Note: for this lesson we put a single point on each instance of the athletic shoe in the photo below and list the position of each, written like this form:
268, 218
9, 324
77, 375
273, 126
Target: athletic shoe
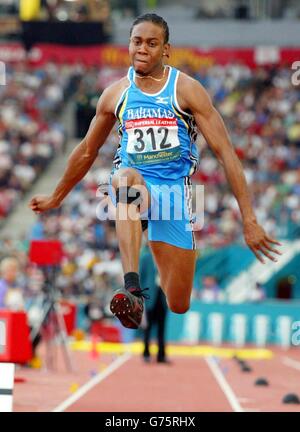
128, 306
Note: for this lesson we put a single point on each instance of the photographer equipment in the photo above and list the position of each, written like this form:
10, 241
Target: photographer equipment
47, 254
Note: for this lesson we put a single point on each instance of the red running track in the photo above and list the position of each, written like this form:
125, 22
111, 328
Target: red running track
185, 385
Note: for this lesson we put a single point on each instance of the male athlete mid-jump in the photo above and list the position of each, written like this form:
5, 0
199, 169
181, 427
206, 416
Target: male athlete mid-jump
159, 110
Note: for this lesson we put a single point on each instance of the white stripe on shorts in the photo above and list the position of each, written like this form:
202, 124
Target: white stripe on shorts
188, 197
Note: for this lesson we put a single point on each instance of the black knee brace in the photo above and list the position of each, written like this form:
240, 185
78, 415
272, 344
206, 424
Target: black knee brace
128, 195
144, 223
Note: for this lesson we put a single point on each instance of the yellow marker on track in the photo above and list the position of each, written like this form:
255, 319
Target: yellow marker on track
74, 387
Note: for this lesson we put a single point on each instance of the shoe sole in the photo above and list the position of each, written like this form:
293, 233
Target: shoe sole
120, 307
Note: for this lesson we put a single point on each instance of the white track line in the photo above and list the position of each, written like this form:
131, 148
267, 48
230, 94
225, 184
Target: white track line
216, 371
291, 363
93, 382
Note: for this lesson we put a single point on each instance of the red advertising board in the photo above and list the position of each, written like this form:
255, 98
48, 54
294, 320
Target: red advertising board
117, 56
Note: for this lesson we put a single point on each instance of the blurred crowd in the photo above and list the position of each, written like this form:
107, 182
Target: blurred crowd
82, 10
77, 11
30, 129
60, 10
261, 109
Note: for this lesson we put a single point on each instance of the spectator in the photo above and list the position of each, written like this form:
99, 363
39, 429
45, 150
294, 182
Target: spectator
211, 292
11, 294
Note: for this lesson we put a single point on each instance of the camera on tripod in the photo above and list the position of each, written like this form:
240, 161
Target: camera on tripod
48, 255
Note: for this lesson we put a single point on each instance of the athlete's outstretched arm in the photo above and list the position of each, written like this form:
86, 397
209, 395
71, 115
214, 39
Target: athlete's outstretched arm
211, 125
82, 157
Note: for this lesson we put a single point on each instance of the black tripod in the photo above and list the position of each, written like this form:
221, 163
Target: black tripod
51, 315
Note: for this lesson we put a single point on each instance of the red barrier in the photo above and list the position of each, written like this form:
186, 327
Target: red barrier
15, 345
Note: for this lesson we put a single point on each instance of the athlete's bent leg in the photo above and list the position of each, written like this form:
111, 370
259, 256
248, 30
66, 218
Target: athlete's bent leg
132, 198
128, 224
176, 268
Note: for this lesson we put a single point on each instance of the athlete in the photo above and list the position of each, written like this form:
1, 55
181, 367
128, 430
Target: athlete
158, 110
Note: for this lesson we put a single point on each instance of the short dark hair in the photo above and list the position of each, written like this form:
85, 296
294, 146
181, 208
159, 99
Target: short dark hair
155, 19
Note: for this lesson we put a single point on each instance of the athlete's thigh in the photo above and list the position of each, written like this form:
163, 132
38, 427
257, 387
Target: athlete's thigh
176, 267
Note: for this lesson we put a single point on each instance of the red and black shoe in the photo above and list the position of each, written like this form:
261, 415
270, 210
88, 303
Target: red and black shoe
128, 306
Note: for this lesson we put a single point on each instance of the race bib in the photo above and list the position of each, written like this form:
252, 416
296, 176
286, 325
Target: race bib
152, 140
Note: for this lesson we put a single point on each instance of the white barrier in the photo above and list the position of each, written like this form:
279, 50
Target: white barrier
192, 327
283, 331
216, 324
239, 329
261, 329
7, 373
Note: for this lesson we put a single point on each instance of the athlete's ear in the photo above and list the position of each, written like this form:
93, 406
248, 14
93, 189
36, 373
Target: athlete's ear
166, 51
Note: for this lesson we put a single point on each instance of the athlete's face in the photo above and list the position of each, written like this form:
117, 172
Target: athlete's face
147, 47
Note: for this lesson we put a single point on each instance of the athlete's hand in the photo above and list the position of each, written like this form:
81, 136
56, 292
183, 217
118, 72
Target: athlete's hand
259, 242
41, 203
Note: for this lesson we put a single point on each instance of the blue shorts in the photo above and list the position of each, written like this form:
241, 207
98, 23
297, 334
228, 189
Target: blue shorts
170, 212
